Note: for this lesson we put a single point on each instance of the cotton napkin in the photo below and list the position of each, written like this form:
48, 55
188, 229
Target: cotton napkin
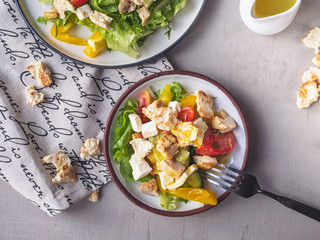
75, 108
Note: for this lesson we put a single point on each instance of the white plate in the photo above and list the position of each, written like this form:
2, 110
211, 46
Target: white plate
191, 82
155, 44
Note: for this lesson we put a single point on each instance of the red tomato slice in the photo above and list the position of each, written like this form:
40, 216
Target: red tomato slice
214, 145
136, 135
186, 114
144, 100
77, 3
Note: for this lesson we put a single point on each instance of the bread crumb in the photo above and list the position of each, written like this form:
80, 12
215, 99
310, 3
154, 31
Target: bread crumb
307, 94
65, 171
33, 96
312, 40
41, 73
94, 196
90, 148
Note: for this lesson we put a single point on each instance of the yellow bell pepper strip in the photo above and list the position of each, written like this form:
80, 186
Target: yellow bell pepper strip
96, 44
70, 24
63, 36
195, 194
188, 101
155, 157
166, 95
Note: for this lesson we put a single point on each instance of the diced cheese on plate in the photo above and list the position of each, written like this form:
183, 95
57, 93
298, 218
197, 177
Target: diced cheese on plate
149, 129
135, 122
140, 168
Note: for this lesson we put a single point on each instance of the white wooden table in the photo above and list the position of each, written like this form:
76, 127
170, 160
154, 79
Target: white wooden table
263, 73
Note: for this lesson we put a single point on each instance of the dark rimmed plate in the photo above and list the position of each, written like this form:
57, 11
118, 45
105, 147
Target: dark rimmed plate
191, 82
155, 44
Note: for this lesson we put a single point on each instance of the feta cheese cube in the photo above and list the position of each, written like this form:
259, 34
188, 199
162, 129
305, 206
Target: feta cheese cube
176, 107
84, 11
165, 180
149, 129
135, 122
141, 147
140, 168
201, 124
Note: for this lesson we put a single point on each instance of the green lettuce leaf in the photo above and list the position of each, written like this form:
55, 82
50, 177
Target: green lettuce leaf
177, 91
57, 21
122, 148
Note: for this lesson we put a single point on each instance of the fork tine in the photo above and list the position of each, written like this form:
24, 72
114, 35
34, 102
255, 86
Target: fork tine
230, 168
215, 181
224, 173
220, 177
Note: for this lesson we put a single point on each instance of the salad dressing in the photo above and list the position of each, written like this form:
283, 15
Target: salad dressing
267, 8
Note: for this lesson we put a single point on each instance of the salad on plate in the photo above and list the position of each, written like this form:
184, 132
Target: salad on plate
120, 25
165, 140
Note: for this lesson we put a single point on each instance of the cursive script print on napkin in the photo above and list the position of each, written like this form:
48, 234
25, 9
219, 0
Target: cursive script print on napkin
76, 107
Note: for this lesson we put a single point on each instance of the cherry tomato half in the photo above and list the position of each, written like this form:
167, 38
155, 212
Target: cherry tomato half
77, 3
144, 100
214, 144
186, 114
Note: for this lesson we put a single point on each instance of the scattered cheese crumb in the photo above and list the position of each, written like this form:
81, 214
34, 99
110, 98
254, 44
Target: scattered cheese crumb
65, 171
90, 148
33, 96
94, 196
41, 73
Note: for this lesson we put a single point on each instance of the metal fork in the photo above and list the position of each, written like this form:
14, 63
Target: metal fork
246, 185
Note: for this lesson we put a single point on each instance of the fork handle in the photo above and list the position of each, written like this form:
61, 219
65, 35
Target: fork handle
295, 205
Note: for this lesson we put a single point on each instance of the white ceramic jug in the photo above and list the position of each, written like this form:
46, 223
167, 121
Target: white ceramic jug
267, 25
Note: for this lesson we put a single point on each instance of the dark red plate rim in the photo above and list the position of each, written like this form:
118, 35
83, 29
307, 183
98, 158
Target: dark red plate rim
108, 129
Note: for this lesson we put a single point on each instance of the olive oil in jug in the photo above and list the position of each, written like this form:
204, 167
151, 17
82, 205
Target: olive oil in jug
266, 8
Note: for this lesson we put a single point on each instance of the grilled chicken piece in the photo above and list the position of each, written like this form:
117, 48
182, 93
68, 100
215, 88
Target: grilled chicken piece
205, 162
204, 104
52, 14
172, 167
168, 146
144, 15
163, 117
126, 6
150, 187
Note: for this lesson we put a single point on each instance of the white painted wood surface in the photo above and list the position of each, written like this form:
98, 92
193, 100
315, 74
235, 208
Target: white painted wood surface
263, 73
